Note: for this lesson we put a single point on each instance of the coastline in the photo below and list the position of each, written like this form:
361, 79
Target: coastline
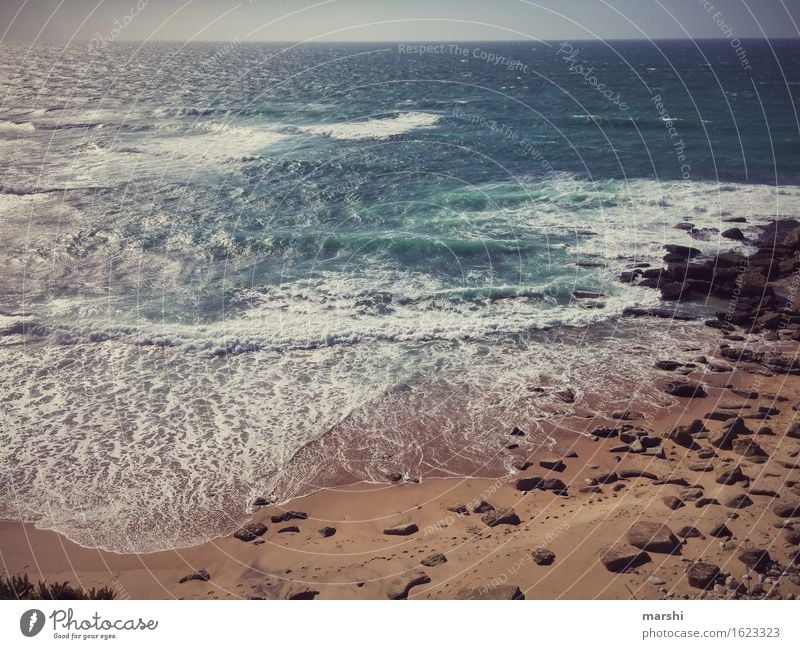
697, 500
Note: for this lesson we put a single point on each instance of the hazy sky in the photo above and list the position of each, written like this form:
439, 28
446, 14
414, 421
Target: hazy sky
398, 20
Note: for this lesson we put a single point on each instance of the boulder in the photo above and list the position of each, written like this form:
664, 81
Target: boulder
652, 537
553, 464
628, 474
288, 516
553, 484
731, 476
737, 501
327, 532
197, 575
250, 532
689, 532
734, 233
301, 592
434, 560
567, 395
682, 252
626, 415
491, 592
669, 366
528, 484
605, 477
787, 510
702, 575
756, 559
459, 509
621, 557
673, 502
481, 507
685, 389
749, 449
721, 531
400, 590
543, 556
405, 529
503, 516
289, 529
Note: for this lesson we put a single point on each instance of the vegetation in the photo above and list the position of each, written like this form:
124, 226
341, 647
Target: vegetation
16, 587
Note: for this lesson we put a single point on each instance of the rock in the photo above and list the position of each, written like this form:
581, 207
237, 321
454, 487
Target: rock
722, 439
733, 233
491, 593
719, 415
749, 449
197, 575
701, 467
543, 556
605, 477
628, 474
459, 509
301, 592
586, 295
656, 581
684, 226
791, 536
289, 529
481, 507
702, 575
738, 501
517, 432
652, 537
731, 476
521, 465
590, 490
395, 477
721, 531
680, 436
673, 502
250, 532
327, 532
794, 431
564, 451
689, 532
402, 530
626, 415
770, 493
553, 464
620, 557
682, 252
605, 432
669, 366
402, 593
502, 516
567, 395
434, 560
553, 484
692, 494
790, 510
738, 427
757, 560
703, 502
685, 389
528, 484
288, 516
261, 502
745, 394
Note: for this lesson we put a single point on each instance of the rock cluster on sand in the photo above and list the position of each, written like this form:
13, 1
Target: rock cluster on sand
250, 532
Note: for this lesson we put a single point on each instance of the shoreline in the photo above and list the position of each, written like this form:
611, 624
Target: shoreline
698, 499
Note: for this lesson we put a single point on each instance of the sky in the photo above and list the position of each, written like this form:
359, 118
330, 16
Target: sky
398, 20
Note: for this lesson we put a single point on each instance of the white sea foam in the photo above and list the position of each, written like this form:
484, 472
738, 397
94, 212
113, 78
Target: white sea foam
16, 127
374, 129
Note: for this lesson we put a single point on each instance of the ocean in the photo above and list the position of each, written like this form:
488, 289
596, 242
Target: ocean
239, 270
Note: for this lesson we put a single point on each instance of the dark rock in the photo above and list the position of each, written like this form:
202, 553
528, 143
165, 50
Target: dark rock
543, 556
620, 557
503, 516
721, 531
669, 366
673, 502
685, 389
626, 415
757, 560
402, 592
749, 449
689, 532
722, 439
491, 593
720, 415
635, 473
705, 502
261, 502
521, 465
289, 528
528, 484
567, 395
459, 509
745, 394
250, 532
402, 530
737, 427
702, 575
301, 593
517, 432
738, 501
790, 510
606, 477
731, 476
327, 532
606, 432
434, 560
197, 575
684, 252
288, 516
734, 233
553, 464
652, 537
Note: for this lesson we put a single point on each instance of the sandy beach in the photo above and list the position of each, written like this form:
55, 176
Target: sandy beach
551, 540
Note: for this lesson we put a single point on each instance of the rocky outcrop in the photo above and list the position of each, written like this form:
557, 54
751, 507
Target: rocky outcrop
685, 389
787, 510
401, 589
